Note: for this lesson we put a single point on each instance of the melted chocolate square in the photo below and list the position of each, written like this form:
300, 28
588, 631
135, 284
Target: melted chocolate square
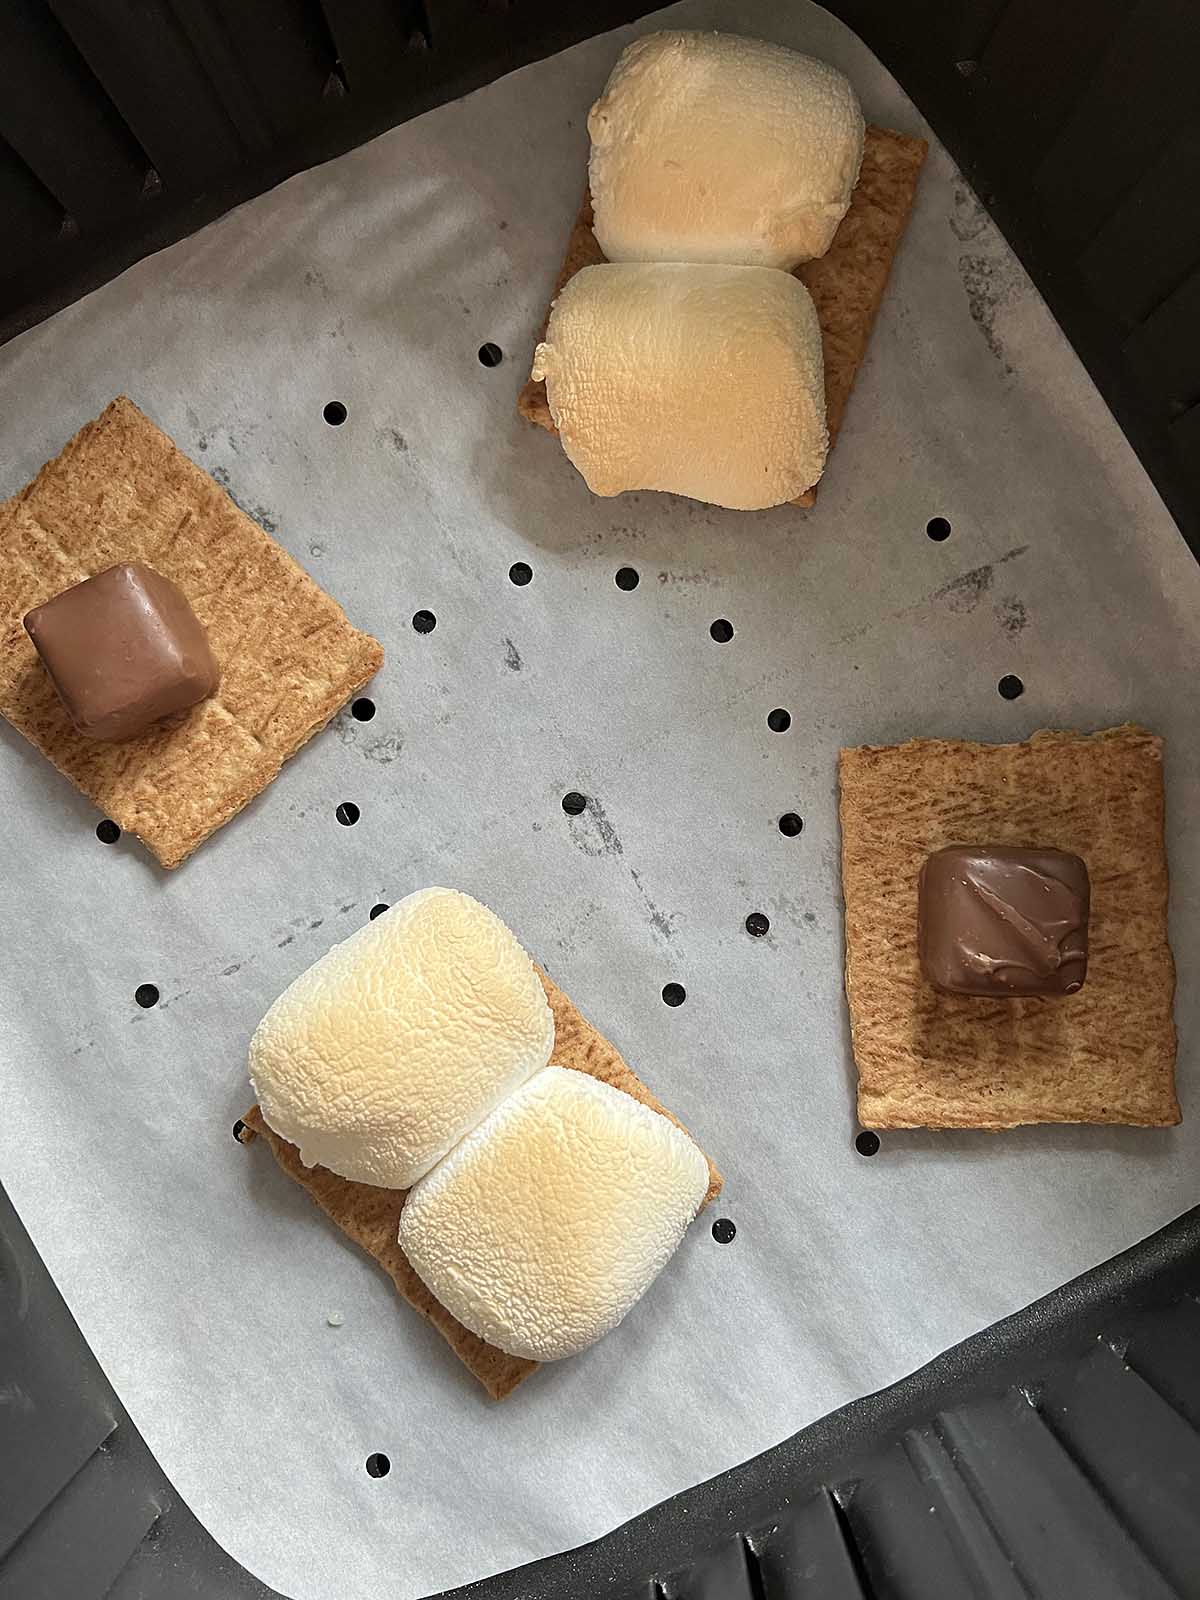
1003, 921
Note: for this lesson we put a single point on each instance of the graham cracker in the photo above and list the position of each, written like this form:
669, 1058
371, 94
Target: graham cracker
371, 1216
122, 491
846, 283
926, 1059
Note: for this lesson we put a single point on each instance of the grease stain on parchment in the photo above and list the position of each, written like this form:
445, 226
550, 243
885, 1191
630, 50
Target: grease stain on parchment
990, 276
968, 220
264, 517
989, 288
383, 748
593, 833
1011, 614
687, 578
963, 594
662, 922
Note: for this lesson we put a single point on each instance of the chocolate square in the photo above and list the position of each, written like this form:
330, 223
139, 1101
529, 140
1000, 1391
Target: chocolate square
124, 649
1003, 921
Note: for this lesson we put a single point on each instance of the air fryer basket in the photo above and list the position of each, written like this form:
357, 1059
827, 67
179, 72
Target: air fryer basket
1053, 1453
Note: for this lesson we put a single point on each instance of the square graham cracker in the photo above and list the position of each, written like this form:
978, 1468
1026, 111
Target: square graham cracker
846, 283
122, 491
371, 1216
932, 1060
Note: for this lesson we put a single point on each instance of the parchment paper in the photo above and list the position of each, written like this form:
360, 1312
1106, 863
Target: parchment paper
202, 1278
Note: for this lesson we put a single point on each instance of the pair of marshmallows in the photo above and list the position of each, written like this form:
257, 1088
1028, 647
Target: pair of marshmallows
691, 363
543, 1203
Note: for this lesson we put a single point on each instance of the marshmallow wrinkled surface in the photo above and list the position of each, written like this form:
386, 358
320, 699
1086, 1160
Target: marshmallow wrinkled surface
543, 1228
379, 1058
712, 147
703, 380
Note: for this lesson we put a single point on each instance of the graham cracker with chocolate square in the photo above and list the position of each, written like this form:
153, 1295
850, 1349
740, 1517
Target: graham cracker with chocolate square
928, 1059
846, 283
371, 1216
122, 491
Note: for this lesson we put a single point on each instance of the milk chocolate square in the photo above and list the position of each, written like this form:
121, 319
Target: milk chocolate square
124, 649
1003, 920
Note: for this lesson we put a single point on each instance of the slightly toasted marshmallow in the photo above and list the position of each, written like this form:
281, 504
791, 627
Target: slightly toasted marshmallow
712, 147
706, 381
379, 1058
550, 1221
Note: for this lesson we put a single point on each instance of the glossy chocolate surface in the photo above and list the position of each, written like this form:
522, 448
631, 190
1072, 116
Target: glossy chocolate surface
1004, 921
124, 649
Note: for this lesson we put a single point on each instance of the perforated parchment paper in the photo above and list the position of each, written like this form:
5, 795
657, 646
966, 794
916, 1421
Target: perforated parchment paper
202, 1277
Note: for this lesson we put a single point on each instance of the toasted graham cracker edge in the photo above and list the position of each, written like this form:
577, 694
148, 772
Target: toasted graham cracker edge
371, 1216
149, 471
1148, 1085
847, 283
352, 682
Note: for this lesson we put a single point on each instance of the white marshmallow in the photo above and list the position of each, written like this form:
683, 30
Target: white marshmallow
551, 1220
712, 147
380, 1057
703, 380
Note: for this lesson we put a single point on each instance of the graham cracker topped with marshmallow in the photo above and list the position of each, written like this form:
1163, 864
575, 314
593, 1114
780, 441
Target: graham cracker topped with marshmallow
370, 1215
847, 283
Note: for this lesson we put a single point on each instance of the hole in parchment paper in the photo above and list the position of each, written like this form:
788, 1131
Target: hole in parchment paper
790, 824
146, 995
335, 413
347, 813
723, 1230
107, 831
363, 709
424, 621
627, 578
867, 1143
1010, 686
779, 720
239, 1129
378, 1465
574, 802
490, 354
938, 529
520, 573
377, 911
721, 630
757, 924
674, 994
